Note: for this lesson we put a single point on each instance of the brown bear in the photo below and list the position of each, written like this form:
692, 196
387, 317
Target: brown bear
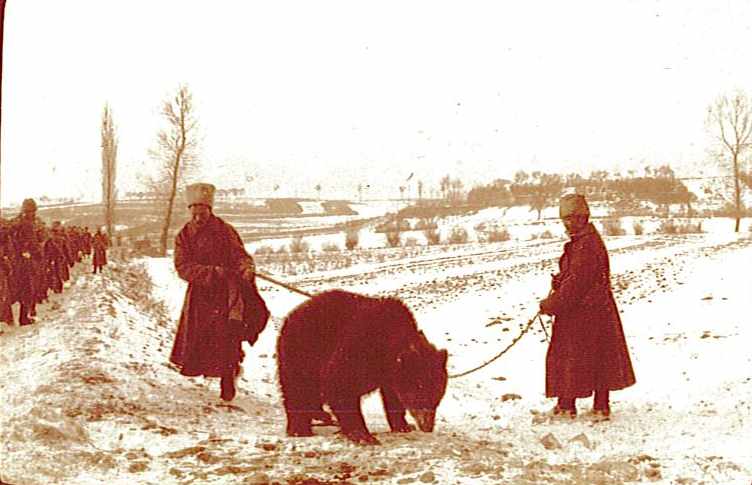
339, 346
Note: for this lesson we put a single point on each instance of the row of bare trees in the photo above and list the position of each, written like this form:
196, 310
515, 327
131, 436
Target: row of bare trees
176, 153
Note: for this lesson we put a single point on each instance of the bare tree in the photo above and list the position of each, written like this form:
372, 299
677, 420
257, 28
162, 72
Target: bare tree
318, 190
445, 183
456, 195
176, 151
546, 189
730, 121
109, 168
420, 190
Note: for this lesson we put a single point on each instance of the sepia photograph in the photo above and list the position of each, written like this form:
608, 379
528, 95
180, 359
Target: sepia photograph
343, 242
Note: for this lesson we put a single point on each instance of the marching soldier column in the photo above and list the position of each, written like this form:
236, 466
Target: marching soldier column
35, 260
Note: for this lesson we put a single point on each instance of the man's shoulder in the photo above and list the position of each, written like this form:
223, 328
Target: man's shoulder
586, 237
223, 224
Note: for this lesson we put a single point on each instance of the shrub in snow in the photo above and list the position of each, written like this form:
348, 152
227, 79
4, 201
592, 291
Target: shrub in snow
546, 235
498, 234
432, 236
411, 242
393, 239
298, 245
638, 229
670, 226
613, 227
690, 228
352, 237
458, 235
330, 247
264, 250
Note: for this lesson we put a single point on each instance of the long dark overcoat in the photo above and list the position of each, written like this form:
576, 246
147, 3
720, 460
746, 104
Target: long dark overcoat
27, 259
54, 261
221, 309
100, 250
587, 350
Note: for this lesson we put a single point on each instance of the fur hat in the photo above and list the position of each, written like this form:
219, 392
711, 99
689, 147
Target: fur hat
200, 194
573, 204
28, 205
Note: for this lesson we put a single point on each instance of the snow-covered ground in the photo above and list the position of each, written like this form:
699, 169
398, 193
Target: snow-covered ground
90, 398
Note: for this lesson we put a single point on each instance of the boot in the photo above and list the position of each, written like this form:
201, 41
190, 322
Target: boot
565, 409
601, 406
227, 386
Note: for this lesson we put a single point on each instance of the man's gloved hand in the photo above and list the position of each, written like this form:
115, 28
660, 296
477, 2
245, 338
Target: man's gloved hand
249, 274
545, 307
555, 281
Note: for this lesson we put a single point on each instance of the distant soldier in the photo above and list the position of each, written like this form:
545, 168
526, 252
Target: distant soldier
99, 245
28, 256
55, 259
6, 275
75, 244
41, 278
87, 239
222, 306
62, 262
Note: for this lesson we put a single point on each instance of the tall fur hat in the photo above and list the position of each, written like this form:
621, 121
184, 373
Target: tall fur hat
200, 194
573, 204
28, 205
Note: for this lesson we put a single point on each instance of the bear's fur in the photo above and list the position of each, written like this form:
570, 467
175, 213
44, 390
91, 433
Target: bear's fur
338, 346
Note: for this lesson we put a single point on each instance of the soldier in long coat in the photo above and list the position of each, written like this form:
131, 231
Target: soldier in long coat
62, 262
588, 352
28, 258
99, 245
87, 240
6, 275
56, 265
41, 266
222, 306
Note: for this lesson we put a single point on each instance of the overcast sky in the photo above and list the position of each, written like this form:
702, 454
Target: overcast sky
342, 93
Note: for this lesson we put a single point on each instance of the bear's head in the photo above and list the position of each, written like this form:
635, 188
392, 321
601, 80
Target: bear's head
421, 380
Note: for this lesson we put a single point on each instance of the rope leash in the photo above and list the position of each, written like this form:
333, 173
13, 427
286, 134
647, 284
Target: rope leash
283, 285
497, 356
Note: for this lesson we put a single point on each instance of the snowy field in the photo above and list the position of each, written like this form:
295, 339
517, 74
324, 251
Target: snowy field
89, 398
